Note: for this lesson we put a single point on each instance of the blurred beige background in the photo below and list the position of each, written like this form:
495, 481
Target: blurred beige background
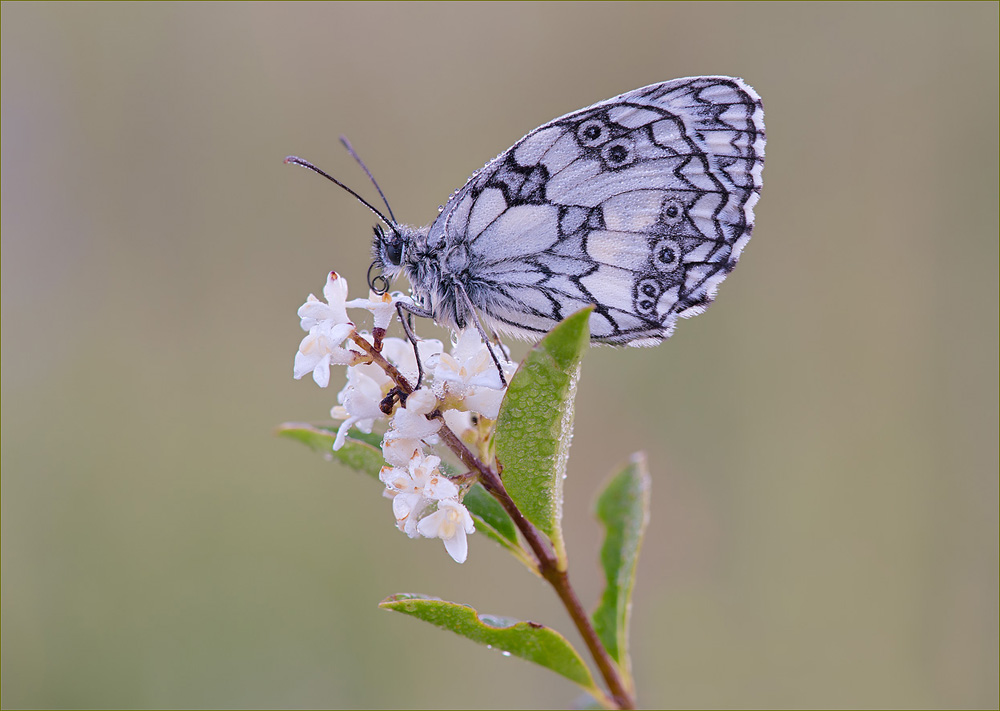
823, 440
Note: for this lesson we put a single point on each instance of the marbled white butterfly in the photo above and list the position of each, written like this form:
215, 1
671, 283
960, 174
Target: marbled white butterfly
639, 205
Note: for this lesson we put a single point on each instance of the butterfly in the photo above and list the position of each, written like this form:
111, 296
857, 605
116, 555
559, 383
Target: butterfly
639, 205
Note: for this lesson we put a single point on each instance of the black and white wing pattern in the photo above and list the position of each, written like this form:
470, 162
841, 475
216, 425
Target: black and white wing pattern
639, 205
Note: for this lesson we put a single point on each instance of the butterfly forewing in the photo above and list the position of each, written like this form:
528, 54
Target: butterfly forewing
639, 205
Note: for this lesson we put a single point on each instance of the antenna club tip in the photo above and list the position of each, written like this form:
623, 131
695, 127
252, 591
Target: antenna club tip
291, 159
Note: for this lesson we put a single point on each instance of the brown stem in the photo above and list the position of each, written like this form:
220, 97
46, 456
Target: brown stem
377, 357
559, 579
548, 563
548, 567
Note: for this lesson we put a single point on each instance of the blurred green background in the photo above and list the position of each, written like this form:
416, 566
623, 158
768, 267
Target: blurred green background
823, 441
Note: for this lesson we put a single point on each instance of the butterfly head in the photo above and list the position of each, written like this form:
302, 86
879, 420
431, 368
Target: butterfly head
388, 251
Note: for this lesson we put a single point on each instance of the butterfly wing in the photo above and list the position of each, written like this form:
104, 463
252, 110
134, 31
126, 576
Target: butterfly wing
639, 205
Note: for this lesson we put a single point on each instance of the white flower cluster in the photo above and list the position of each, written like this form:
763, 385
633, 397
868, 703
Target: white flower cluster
456, 385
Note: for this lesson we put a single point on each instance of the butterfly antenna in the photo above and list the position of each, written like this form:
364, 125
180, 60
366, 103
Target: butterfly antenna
355, 156
295, 160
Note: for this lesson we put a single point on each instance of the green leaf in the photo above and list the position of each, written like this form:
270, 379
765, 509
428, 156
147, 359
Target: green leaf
527, 640
360, 452
623, 508
536, 422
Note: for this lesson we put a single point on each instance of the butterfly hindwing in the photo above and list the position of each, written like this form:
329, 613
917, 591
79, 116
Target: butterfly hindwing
640, 205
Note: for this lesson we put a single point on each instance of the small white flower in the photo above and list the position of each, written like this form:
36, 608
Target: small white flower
397, 451
315, 312
451, 523
459, 421
406, 489
320, 349
382, 307
485, 401
367, 385
414, 488
360, 400
410, 422
328, 326
469, 364
468, 379
399, 352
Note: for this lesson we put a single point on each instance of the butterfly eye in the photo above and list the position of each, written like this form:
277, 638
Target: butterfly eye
393, 251
390, 246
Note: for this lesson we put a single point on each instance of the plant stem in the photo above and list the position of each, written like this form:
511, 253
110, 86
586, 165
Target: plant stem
547, 563
548, 567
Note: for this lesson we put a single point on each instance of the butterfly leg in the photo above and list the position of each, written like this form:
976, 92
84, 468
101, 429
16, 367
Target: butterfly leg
482, 332
411, 311
503, 349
